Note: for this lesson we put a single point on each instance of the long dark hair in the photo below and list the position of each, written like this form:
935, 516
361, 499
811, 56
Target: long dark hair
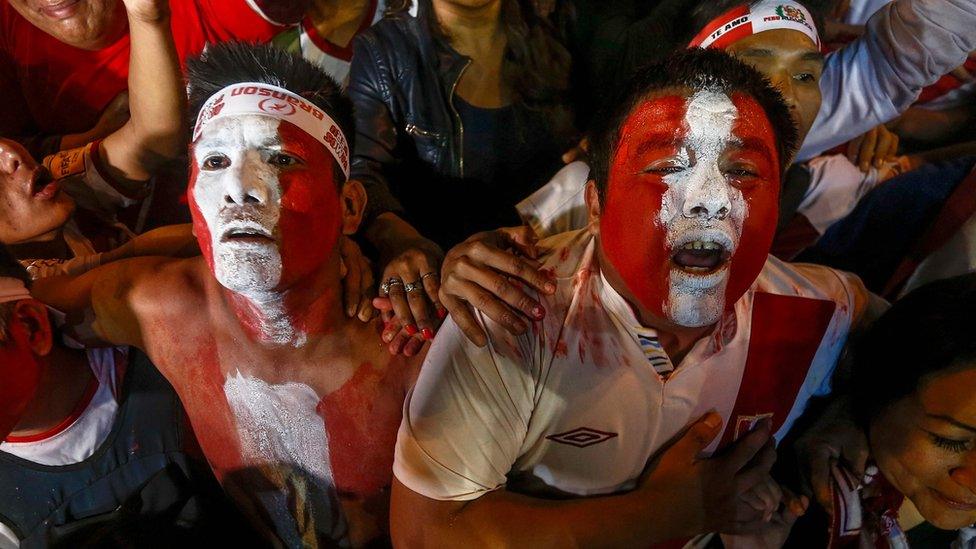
535, 63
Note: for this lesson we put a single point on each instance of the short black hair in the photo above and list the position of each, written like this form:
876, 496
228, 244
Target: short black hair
931, 329
692, 69
703, 13
226, 63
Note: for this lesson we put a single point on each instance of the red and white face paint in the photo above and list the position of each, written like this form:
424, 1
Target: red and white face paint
19, 368
691, 203
266, 211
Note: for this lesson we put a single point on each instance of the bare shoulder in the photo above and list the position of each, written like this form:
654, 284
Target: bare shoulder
165, 285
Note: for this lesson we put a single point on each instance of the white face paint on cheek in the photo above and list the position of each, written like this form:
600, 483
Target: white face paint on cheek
244, 197
700, 204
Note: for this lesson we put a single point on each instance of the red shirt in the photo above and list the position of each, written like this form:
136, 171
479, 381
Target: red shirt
49, 87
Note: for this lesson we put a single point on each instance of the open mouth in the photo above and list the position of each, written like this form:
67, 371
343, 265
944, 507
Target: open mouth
42, 185
247, 235
701, 257
61, 10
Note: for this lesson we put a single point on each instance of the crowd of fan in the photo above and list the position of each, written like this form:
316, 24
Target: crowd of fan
669, 273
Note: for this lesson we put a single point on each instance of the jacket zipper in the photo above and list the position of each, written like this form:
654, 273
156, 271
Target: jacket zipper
414, 130
457, 118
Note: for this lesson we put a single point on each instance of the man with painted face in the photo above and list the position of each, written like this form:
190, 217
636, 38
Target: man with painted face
295, 405
94, 446
669, 322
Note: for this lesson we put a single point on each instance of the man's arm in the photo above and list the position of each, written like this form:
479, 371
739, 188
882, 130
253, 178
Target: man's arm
104, 303
465, 425
154, 134
908, 45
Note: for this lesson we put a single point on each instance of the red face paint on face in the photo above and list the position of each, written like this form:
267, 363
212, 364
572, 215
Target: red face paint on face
21, 374
266, 216
691, 203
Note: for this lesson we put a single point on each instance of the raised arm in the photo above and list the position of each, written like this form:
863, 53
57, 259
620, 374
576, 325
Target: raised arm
908, 45
103, 304
154, 134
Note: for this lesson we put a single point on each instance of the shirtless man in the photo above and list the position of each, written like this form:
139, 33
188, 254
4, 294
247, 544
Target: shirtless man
296, 405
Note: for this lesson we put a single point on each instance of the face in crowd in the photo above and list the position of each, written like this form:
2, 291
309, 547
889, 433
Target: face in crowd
85, 24
264, 200
793, 64
25, 337
925, 444
691, 202
32, 205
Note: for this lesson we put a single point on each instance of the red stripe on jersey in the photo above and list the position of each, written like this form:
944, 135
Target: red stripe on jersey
786, 333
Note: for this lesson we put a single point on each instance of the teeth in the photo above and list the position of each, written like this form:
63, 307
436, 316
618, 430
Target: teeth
700, 245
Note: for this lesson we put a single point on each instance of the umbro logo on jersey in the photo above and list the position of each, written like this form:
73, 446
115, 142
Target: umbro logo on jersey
581, 437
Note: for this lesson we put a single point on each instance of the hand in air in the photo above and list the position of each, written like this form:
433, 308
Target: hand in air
408, 298
873, 149
715, 494
488, 272
148, 11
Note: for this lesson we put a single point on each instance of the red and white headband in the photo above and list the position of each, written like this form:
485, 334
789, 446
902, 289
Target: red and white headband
12, 289
746, 20
279, 103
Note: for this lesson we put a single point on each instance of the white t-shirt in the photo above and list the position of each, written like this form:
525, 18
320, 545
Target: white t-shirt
81, 434
908, 44
575, 407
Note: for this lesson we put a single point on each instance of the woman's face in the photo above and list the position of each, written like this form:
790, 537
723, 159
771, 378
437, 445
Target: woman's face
925, 444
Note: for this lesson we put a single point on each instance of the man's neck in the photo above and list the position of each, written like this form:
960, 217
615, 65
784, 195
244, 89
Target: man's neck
676, 340
338, 20
65, 376
50, 245
473, 31
308, 310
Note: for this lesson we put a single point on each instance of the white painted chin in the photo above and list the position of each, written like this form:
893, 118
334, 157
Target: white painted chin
696, 301
247, 268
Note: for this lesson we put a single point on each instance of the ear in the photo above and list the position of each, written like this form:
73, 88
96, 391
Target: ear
353, 205
32, 325
593, 207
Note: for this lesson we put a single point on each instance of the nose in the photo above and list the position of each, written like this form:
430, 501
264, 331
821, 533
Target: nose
965, 474
707, 195
10, 158
245, 185
783, 82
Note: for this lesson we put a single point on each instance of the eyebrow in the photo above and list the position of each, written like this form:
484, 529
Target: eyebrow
753, 144
217, 142
953, 421
658, 141
763, 52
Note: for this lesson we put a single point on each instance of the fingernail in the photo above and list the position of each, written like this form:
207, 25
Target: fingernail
387, 337
550, 287
713, 420
538, 312
441, 313
411, 329
427, 333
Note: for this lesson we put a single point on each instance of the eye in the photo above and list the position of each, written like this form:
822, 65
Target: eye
283, 160
805, 77
951, 444
741, 172
216, 162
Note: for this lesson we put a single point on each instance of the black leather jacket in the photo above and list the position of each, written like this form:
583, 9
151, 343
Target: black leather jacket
402, 82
